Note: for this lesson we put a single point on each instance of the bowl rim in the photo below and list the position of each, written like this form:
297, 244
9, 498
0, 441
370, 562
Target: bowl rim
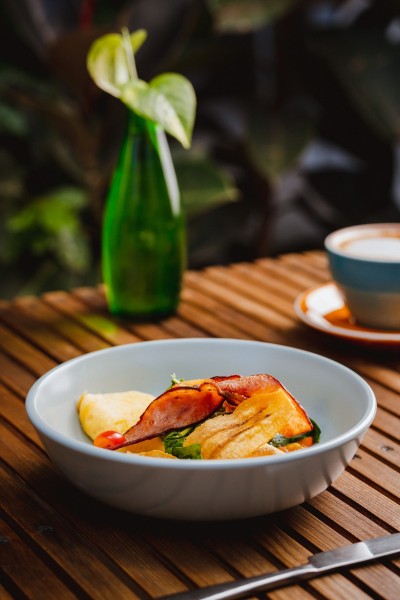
238, 463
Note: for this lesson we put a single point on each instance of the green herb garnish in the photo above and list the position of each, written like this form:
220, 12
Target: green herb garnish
175, 380
280, 440
316, 432
173, 444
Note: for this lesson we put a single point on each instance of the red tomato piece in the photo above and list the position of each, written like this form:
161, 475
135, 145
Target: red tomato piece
109, 439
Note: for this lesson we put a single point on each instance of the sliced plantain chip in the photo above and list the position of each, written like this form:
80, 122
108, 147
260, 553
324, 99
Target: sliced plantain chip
252, 424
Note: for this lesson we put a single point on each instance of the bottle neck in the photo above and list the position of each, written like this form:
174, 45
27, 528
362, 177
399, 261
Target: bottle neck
140, 126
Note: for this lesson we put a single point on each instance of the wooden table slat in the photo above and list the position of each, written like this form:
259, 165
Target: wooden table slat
84, 549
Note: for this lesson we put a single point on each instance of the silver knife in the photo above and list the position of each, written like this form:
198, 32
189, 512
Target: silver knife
318, 564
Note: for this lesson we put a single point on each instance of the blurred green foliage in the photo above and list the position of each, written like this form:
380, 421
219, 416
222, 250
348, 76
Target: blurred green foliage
272, 77
51, 225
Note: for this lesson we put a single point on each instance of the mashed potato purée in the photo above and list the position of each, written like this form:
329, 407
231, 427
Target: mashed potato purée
117, 411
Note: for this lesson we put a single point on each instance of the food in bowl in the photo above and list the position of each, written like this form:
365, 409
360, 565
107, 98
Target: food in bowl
339, 400
215, 418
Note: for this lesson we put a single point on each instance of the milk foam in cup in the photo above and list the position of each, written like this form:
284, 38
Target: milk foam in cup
365, 265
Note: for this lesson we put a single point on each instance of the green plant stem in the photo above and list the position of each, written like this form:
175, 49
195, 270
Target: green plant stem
130, 56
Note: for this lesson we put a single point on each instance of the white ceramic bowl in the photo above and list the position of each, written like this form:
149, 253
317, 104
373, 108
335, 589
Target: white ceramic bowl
338, 399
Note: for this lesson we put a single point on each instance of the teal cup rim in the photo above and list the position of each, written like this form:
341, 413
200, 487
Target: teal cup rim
332, 247
367, 274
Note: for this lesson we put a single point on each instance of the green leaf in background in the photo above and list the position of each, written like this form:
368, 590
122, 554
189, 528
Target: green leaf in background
168, 99
51, 224
11, 180
108, 61
247, 15
275, 142
12, 121
367, 64
204, 185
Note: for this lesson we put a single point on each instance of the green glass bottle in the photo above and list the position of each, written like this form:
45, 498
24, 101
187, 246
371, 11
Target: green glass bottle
144, 242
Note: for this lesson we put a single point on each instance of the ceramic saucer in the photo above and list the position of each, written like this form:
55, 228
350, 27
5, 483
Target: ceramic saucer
322, 308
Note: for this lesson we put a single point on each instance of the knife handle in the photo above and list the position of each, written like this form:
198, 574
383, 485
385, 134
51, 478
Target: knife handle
244, 587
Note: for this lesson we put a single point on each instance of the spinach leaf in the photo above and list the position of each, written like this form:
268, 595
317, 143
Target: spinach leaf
189, 452
173, 444
175, 380
281, 440
316, 432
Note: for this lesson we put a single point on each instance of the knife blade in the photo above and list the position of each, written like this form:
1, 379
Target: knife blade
318, 564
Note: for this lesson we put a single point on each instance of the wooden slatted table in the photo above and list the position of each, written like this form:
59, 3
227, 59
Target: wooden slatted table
57, 543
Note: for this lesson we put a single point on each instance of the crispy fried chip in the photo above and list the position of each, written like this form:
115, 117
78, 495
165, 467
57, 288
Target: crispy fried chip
145, 446
156, 453
267, 450
254, 423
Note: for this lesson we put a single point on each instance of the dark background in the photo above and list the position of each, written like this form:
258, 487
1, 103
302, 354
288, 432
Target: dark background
296, 131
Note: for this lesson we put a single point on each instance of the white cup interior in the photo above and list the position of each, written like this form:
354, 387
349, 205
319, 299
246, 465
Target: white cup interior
376, 242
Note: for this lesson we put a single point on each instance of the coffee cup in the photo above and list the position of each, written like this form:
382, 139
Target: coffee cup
365, 264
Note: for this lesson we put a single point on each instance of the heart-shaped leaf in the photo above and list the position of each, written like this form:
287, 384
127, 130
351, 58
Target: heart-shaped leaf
169, 100
108, 60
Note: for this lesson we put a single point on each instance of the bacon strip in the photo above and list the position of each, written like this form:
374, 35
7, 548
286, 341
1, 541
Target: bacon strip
236, 388
178, 407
